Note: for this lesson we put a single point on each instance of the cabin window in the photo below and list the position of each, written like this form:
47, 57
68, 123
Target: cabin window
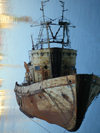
37, 68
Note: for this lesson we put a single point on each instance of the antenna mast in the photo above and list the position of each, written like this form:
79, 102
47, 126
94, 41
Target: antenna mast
60, 36
32, 43
45, 24
62, 8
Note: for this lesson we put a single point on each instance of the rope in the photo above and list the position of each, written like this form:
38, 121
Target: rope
39, 125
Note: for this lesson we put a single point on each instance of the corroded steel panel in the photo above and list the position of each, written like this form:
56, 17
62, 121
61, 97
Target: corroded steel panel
50, 63
55, 101
41, 58
62, 101
50, 83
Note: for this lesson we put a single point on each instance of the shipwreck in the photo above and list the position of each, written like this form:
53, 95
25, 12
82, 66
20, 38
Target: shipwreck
52, 89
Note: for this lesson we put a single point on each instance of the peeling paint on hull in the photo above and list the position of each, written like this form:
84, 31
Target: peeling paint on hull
58, 100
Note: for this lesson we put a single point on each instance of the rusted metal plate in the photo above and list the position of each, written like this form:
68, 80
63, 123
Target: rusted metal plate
50, 63
62, 101
55, 103
50, 83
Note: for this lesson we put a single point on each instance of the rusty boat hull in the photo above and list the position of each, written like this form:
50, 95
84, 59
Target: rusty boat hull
62, 101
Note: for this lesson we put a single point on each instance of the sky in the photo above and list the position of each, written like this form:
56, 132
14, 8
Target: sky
16, 43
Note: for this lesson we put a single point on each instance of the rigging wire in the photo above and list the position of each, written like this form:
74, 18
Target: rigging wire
40, 125
52, 19
43, 126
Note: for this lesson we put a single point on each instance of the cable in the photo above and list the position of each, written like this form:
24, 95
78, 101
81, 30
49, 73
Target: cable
40, 125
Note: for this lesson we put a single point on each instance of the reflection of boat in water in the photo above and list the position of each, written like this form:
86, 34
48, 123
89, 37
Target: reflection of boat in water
52, 90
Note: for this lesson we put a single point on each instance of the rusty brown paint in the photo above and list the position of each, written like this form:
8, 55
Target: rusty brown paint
58, 101
59, 63
49, 104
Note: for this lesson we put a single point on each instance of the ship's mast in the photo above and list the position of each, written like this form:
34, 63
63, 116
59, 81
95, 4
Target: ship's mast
51, 38
63, 10
32, 43
45, 24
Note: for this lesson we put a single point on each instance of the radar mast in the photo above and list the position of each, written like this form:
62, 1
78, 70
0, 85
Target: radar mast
47, 24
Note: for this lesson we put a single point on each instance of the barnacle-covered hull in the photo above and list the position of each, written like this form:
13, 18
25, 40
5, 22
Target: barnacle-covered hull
62, 101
